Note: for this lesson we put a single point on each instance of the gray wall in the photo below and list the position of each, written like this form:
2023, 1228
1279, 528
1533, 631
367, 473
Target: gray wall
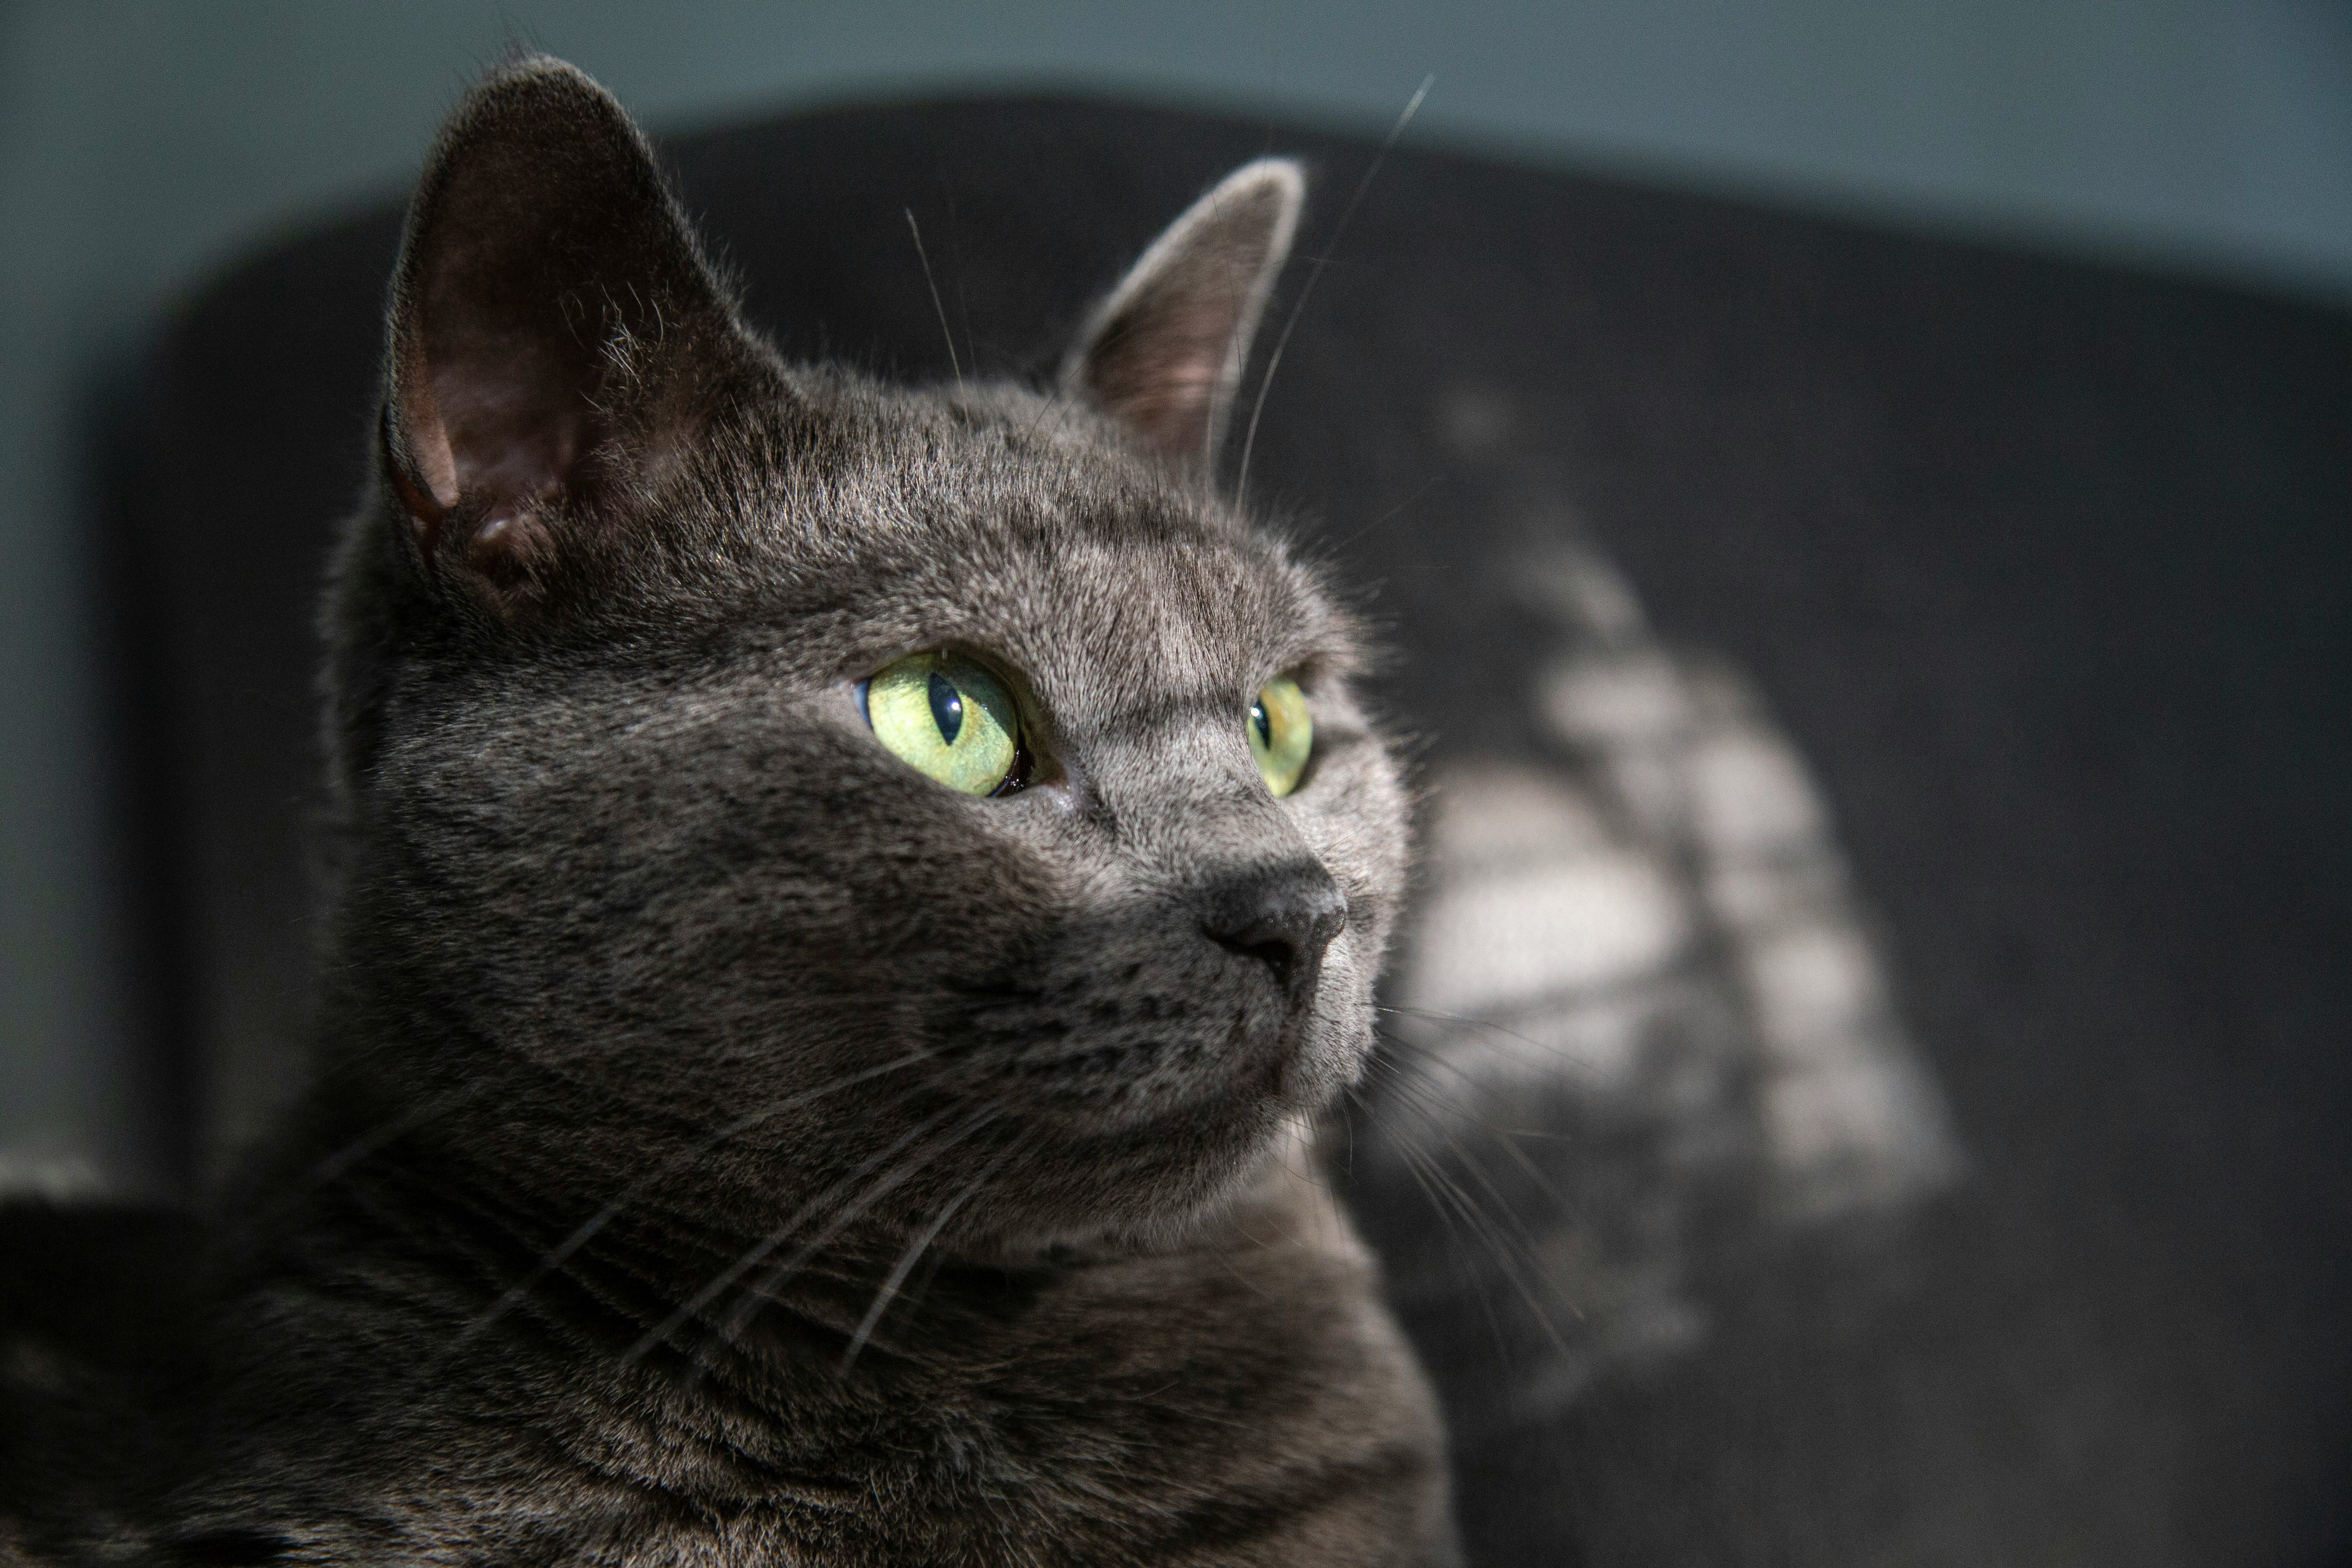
143, 144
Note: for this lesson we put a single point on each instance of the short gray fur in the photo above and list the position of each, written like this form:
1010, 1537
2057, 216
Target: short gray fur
726, 1144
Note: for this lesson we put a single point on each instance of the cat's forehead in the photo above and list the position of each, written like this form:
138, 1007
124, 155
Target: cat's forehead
1122, 624
1006, 524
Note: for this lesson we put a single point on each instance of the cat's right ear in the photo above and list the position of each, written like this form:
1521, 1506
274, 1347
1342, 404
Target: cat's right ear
1163, 355
555, 333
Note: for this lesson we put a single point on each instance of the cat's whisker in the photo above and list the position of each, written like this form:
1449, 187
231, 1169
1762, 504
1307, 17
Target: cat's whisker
384, 1134
1567, 1061
756, 1298
1503, 1138
1382, 521
915, 1250
1322, 259
1441, 1120
928, 1273
556, 1256
1440, 1115
1525, 1274
1533, 1172
1425, 1056
964, 300
1051, 408
932, 283
761, 1251
1514, 1254
1467, 1264
1426, 1060
334, 1167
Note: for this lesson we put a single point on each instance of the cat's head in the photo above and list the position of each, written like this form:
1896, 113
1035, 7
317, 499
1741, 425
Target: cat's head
762, 783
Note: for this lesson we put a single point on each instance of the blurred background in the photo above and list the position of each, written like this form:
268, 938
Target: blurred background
143, 145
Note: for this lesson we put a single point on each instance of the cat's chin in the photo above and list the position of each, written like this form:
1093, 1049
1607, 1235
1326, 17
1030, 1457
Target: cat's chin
1299, 1073
1147, 1224
1151, 1180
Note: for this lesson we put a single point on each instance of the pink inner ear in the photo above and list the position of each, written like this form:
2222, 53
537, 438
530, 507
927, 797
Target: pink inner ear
1162, 366
1161, 372
512, 423
1163, 357
428, 448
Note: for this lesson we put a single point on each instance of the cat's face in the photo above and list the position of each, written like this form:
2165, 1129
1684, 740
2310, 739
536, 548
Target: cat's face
670, 685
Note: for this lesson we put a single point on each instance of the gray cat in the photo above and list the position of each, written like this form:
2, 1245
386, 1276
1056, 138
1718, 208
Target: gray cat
850, 905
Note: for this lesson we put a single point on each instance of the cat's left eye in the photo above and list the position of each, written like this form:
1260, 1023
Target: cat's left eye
947, 717
1281, 734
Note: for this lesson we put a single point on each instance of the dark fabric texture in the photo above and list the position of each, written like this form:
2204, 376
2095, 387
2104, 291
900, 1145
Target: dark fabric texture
2043, 566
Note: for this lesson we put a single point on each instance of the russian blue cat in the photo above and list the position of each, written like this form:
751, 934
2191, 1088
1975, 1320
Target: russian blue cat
850, 904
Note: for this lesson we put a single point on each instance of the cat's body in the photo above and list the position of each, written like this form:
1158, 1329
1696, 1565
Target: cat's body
1239, 1397
1236, 1397
730, 1145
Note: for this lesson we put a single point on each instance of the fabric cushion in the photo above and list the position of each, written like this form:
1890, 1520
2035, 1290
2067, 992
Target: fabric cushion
1870, 1081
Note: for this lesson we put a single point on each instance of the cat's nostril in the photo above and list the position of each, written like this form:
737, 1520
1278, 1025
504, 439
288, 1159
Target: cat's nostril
1285, 916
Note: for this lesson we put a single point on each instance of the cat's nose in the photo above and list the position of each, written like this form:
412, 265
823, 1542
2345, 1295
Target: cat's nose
1285, 915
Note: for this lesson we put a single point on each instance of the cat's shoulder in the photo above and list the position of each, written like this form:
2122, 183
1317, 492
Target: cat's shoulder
101, 1335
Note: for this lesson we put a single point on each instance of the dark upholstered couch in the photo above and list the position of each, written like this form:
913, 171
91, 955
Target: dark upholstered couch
2041, 572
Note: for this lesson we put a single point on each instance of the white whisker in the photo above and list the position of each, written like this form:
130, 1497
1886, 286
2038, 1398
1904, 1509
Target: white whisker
1322, 259
906, 1259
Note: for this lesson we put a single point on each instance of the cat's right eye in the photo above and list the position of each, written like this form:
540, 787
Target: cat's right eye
1281, 734
948, 718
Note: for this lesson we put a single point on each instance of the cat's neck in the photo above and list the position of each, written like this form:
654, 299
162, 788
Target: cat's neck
1105, 1390
647, 1277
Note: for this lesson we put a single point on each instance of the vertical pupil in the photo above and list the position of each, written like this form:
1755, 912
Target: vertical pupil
947, 707
1263, 724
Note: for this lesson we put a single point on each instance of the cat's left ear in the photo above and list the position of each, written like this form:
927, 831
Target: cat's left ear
556, 337
1163, 354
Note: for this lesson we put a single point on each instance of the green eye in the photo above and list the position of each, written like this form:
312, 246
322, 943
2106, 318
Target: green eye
1281, 734
947, 717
